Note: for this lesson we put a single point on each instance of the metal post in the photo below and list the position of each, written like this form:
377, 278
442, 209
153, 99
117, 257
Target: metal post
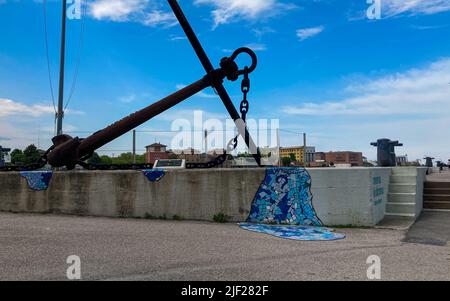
134, 146
279, 147
206, 141
304, 149
60, 114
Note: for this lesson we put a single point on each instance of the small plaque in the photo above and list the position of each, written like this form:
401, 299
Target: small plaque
170, 164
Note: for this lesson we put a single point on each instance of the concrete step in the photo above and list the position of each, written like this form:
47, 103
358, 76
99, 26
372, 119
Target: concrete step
409, 171
436, 198
402, 179
437, 185
396, 222
445, 191
401, 208
387, 214
401, 198
402, 188
436, 205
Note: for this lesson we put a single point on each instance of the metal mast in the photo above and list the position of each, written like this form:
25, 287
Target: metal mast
60, 113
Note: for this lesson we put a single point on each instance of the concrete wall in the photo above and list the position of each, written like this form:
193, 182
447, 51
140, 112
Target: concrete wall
355, 196
420, 183
197, 195
350, 196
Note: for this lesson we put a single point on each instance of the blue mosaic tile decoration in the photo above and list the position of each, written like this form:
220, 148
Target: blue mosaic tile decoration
154, 175
284, 197
305, 233
37, 180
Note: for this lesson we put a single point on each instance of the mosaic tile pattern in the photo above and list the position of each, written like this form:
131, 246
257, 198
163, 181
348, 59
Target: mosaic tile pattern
37, 180
284, 197
154, 175
305, 233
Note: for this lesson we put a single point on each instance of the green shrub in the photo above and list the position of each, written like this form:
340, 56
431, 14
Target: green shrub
177, 218
220, 218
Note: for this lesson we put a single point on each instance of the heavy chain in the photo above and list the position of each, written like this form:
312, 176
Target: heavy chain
232, 145
244, 107
89, 166
29, 167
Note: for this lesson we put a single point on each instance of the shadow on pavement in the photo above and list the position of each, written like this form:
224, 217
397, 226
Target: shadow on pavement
432, 228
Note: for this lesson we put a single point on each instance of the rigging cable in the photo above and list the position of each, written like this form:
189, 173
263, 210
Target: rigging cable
80, 46
49, 69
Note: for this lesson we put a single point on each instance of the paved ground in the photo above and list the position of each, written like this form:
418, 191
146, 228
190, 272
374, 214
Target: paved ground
433, 228
443, 176
35, 247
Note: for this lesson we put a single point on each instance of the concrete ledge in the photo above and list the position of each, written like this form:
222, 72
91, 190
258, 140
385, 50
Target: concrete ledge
353, 196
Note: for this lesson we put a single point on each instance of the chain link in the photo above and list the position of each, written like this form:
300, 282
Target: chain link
245, 105
233, 144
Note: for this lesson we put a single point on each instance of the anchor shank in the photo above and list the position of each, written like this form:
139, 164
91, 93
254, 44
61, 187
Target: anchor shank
128, 123
67, 151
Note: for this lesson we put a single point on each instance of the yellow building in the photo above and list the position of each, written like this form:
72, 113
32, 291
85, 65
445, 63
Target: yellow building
298, 152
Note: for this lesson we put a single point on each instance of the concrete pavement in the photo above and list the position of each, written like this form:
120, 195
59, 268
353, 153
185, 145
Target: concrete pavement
35, 247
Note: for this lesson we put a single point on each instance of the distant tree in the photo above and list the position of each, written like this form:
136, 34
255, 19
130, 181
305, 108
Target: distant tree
125, 158
17, 157
292, 157
95, 159
105, 160
31, 154
28, 156
286, 161
140, 159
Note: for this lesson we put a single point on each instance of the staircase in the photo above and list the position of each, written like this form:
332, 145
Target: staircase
402, 196
437, 196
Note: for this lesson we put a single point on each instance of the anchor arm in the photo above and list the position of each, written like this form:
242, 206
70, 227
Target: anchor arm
221, 91
67, 151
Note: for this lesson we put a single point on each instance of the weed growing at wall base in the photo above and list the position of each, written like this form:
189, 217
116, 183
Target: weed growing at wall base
221, 218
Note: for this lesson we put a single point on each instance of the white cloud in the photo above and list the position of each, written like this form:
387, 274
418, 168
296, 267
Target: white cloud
260, 32
131, 10
9, 107
229, 10
306, 33
257, 46
158, 17
410, 106
117, 10
417, 91
252, 46
23, 124
414, 7
127, 98
177, 38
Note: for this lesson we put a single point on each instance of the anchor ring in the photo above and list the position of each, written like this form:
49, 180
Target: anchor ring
251, 53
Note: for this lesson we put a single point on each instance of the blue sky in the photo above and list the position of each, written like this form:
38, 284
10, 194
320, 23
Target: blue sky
324, 68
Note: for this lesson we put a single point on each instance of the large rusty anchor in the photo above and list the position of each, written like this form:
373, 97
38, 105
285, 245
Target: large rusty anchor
68, 151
